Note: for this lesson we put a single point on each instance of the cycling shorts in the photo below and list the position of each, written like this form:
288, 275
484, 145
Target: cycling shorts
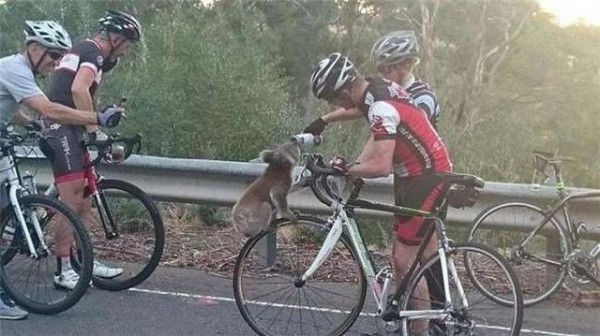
62, 145
421, 192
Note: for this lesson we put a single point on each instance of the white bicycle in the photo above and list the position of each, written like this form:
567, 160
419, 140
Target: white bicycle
309, 276
27, 240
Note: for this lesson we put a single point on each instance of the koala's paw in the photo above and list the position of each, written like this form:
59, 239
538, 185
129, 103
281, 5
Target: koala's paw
287, 215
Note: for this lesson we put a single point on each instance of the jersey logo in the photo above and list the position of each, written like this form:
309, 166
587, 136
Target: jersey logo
100, 60
376, 124
69, 62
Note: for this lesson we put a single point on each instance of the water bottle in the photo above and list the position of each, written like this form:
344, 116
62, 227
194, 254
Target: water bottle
307, 139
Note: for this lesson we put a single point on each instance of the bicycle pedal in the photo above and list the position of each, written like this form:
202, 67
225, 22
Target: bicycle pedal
390, 314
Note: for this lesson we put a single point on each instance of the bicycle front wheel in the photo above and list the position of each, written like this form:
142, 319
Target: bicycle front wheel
138, 247
539, 261
270, 294
28, 278
471, 311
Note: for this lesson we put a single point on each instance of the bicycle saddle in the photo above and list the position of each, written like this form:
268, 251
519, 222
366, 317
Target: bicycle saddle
466, 180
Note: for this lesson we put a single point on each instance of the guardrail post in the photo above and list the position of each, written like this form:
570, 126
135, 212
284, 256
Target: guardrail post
553, 252
268, 248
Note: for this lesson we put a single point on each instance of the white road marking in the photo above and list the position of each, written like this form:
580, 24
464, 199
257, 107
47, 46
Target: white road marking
226, 299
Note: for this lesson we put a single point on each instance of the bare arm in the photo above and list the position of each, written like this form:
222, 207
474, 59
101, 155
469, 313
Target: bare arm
379, 160
62, 113
368, 150
342, 114
84, 78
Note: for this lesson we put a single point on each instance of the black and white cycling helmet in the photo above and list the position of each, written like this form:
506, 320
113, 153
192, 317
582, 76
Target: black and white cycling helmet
121, 23
395, 47
49, 34
331, 74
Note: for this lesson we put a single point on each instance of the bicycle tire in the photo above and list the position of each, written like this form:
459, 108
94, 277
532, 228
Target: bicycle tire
151, 233
539, 280
467, 320
15, 280
316, 286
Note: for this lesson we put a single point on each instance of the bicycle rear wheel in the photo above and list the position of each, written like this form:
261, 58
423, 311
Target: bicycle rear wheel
539, 263
270, 295
141, 235
473, 313
29, 280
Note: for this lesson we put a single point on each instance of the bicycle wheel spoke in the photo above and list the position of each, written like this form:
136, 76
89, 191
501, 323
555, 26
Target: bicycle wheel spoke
312, 307
28, 279
536, 258
475, 312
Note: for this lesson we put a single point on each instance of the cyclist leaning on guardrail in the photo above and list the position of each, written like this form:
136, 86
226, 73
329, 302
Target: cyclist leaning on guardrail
403, 141
46, 43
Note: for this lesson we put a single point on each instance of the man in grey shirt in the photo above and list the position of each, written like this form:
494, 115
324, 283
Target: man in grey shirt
46, 43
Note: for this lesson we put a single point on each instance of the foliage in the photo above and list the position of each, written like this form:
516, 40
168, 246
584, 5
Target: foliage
228, 80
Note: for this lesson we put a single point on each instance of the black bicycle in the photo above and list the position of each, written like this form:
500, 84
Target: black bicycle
127, 233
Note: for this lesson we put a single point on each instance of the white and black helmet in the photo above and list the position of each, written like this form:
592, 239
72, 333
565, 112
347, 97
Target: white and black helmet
395, 47
330, 75
49, 34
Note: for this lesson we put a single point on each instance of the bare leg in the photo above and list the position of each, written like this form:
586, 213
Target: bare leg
71, 193
403, 256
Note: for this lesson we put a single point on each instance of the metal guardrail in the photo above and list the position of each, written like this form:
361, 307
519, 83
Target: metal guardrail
222, 182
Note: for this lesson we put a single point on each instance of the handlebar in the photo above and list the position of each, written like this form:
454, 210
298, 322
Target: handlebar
132, 145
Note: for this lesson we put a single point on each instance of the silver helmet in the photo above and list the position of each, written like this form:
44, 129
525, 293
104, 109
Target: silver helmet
49, 34
395, 47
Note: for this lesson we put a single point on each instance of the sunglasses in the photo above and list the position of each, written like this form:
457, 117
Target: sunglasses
54, 55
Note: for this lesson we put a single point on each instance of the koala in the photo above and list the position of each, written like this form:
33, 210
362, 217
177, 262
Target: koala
252, 212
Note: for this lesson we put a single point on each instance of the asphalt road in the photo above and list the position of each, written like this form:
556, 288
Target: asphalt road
189, 302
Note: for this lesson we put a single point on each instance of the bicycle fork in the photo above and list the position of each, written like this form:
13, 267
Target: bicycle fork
14, 200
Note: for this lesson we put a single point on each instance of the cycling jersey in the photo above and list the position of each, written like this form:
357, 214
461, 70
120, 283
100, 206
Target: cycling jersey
62, 143
419, 153
84, 54
424, 98
393, 115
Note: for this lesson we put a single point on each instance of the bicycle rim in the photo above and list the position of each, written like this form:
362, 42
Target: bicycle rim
140, 244
269, 295
29, 280
538, 279
474, 313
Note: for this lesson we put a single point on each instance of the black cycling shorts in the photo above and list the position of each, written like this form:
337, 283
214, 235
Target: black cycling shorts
421, 192
62, 145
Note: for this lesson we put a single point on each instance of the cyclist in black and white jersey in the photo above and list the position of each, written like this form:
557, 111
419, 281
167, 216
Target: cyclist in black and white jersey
395, 56
74, 83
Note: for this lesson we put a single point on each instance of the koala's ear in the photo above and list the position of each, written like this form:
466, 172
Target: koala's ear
267, 155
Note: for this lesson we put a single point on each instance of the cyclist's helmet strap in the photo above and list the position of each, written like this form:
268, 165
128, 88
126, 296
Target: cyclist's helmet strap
331, 75
121, 23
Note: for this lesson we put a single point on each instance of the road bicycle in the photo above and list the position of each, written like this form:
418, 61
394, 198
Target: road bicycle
550, 248
309, 276
127, 232
27, 241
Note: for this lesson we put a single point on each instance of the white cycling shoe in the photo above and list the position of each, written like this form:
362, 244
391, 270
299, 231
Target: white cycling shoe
106, 272
66, 280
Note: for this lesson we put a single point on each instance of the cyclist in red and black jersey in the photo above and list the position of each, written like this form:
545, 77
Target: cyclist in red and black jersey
403, 141
395, 56
74, 84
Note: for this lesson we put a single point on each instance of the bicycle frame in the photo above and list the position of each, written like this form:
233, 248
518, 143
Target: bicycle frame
92, 178
344, 220
11, 174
